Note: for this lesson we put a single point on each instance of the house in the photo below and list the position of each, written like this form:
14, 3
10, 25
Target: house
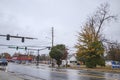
108, 62
71, 60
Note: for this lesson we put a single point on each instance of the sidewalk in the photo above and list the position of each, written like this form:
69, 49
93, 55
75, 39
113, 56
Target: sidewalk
8, 76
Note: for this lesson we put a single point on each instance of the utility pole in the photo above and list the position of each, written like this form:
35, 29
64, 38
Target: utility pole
52, 36
52, 44
38, 57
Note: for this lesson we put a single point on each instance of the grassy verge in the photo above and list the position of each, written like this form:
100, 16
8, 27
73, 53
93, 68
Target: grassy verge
98, 68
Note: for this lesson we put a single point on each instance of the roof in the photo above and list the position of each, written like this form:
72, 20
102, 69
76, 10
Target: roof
72, 57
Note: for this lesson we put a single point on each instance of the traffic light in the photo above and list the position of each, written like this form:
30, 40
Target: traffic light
17, 48
23, 39
8, 37
49, 48
25, 48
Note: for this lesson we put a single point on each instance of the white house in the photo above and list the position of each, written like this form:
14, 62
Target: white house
108, 62
71, 60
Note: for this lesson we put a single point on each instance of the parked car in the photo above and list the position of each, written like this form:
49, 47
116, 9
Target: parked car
3, 62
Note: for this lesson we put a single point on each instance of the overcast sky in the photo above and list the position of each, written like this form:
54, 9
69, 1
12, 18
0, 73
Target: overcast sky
34, 18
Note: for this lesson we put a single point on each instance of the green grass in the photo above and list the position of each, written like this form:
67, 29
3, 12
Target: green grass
98, 68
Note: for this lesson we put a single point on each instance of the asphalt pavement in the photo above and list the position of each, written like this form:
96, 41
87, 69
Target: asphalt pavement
8, 76
43, 72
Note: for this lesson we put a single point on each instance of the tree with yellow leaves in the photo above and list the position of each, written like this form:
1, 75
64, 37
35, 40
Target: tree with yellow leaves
90, 48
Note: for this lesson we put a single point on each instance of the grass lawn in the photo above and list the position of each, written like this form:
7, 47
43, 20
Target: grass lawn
98, 68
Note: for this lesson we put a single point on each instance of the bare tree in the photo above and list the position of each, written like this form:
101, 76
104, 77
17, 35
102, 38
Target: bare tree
113, 51
101, 16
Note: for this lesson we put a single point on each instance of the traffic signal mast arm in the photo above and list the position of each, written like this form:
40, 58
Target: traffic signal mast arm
17, 47
23, 38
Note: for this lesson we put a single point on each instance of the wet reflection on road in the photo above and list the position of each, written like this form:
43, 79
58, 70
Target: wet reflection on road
46, 73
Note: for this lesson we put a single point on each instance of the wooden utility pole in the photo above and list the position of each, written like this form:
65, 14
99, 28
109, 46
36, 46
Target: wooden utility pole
52, 36
52, 44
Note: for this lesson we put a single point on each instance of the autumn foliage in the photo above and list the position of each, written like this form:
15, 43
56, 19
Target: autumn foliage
90, 48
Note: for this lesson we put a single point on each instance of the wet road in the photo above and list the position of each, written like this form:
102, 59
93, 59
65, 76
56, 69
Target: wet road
46, 73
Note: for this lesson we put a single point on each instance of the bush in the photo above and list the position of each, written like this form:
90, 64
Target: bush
65, 65
90, 63
101, 62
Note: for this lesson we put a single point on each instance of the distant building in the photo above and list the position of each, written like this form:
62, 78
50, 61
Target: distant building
108, 62
6, 56
22, 58
71, 60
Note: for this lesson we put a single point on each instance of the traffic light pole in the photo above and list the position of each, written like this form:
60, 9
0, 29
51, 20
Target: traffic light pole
38, 57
